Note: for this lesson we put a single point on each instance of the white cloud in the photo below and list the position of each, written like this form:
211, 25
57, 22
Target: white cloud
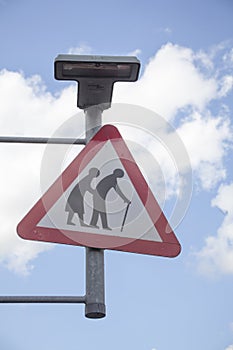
83, 49
166, 30
173, 81
19, 182
217, 254
204, 60
26, 103
207, 140
226, 85
230, 347
228, 57
136, 52
26, 109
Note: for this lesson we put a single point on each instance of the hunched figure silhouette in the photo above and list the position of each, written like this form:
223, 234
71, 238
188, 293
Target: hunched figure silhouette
99, 197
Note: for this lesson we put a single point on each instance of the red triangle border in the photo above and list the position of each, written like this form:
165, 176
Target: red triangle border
28, 229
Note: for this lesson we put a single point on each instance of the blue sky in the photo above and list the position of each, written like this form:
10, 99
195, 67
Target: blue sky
153, 303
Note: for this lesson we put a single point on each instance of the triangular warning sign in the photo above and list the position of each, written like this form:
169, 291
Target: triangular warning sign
102, 200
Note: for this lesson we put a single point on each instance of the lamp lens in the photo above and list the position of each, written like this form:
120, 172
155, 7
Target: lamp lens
96, 70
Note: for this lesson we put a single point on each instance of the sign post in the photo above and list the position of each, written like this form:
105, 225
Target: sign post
95, 293
96, 76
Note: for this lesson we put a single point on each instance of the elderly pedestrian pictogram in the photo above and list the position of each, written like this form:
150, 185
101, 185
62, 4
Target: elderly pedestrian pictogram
76, 202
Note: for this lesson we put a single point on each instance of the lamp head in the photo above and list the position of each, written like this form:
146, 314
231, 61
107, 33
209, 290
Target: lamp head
96, 75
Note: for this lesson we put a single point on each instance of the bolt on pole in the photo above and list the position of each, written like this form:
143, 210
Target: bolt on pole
95, 290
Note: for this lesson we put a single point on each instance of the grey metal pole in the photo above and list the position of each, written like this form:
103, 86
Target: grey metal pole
95, 290
52, 140
13, 299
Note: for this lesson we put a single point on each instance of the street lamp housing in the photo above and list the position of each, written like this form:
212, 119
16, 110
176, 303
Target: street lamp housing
96, 75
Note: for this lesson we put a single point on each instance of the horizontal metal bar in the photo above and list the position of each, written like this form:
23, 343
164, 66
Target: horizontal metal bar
42, 299
52, 140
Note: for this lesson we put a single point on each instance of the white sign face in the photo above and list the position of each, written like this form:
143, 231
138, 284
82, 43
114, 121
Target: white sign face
102, 200
108, 204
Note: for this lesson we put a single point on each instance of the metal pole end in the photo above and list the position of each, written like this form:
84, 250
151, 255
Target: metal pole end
95, 310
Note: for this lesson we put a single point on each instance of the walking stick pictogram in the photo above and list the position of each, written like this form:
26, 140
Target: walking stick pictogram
126, 212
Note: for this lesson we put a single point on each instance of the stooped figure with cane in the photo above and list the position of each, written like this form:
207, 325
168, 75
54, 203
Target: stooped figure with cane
99, 199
